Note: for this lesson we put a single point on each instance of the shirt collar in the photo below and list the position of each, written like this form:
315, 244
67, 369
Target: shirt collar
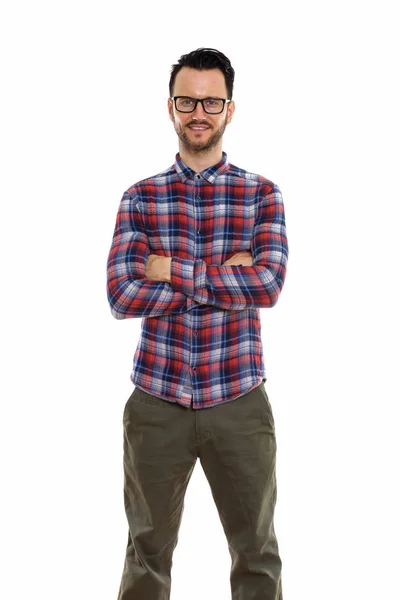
210, 174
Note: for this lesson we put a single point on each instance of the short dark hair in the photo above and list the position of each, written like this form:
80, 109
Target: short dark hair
205, 58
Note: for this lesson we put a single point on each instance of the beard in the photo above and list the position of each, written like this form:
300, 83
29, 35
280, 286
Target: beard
199, 147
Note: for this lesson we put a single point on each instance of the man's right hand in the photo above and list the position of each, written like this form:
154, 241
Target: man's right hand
244, 258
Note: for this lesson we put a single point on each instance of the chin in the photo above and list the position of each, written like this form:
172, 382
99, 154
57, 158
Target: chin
201, 147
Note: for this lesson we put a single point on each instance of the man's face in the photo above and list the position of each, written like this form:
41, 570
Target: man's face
199, 131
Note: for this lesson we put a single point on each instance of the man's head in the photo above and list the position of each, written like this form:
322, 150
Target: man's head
203, 73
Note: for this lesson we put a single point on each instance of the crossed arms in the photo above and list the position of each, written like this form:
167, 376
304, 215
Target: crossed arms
158, 268
141, 284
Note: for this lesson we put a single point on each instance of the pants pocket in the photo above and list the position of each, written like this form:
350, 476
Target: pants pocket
128, 402
267, 414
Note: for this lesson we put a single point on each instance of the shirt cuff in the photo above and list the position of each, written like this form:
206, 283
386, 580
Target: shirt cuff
187, 275
138, 267
182, 278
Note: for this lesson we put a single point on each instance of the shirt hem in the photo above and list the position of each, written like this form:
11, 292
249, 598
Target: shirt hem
260, 379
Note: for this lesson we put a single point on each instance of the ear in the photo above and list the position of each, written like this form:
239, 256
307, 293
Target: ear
171, 109
231, 110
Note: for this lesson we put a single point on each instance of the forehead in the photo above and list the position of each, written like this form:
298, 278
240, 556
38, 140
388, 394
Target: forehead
200, 83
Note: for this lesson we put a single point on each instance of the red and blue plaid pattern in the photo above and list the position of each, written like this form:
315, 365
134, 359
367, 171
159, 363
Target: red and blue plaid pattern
200, 335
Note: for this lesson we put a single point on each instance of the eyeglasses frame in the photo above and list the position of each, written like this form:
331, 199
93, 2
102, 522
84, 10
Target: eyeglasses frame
201, 100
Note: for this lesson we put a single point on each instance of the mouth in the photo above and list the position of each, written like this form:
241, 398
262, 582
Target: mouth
196, 127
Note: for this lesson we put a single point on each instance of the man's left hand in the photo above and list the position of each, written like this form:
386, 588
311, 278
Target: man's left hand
158, 268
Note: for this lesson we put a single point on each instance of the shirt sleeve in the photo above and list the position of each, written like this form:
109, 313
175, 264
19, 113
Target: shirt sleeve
130, 293
238, 287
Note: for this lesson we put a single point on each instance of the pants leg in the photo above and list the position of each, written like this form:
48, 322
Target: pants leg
238, 459
159, 457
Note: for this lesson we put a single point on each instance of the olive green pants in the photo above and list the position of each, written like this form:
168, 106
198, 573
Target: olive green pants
236, 444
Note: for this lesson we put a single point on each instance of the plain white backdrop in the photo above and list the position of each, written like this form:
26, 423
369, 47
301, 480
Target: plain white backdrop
83, 117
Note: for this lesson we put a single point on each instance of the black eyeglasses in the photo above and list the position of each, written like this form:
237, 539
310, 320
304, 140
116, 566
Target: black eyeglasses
212, 106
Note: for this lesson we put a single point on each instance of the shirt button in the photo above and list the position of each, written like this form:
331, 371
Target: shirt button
197, 176
198, 198
198, 231
194, 368
194, 332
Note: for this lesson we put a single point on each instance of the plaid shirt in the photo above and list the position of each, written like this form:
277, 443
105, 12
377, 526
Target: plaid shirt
200, 339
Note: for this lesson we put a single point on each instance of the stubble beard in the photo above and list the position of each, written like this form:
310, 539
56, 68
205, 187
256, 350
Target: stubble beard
200, 147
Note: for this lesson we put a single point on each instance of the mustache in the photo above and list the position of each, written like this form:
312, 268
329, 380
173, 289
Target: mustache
198, 123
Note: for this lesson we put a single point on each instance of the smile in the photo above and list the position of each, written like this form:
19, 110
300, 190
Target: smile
198, 127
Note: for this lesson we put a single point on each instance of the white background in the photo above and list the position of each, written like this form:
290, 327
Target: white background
83, 117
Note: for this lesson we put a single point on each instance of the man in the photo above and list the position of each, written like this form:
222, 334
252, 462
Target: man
197, 250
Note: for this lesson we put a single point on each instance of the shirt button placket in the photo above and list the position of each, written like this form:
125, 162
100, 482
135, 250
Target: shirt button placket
197, 198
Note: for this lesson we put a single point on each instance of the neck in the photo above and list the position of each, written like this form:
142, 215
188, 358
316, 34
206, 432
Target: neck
199, 161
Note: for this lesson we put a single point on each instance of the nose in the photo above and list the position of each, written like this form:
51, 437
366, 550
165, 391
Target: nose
199, 112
